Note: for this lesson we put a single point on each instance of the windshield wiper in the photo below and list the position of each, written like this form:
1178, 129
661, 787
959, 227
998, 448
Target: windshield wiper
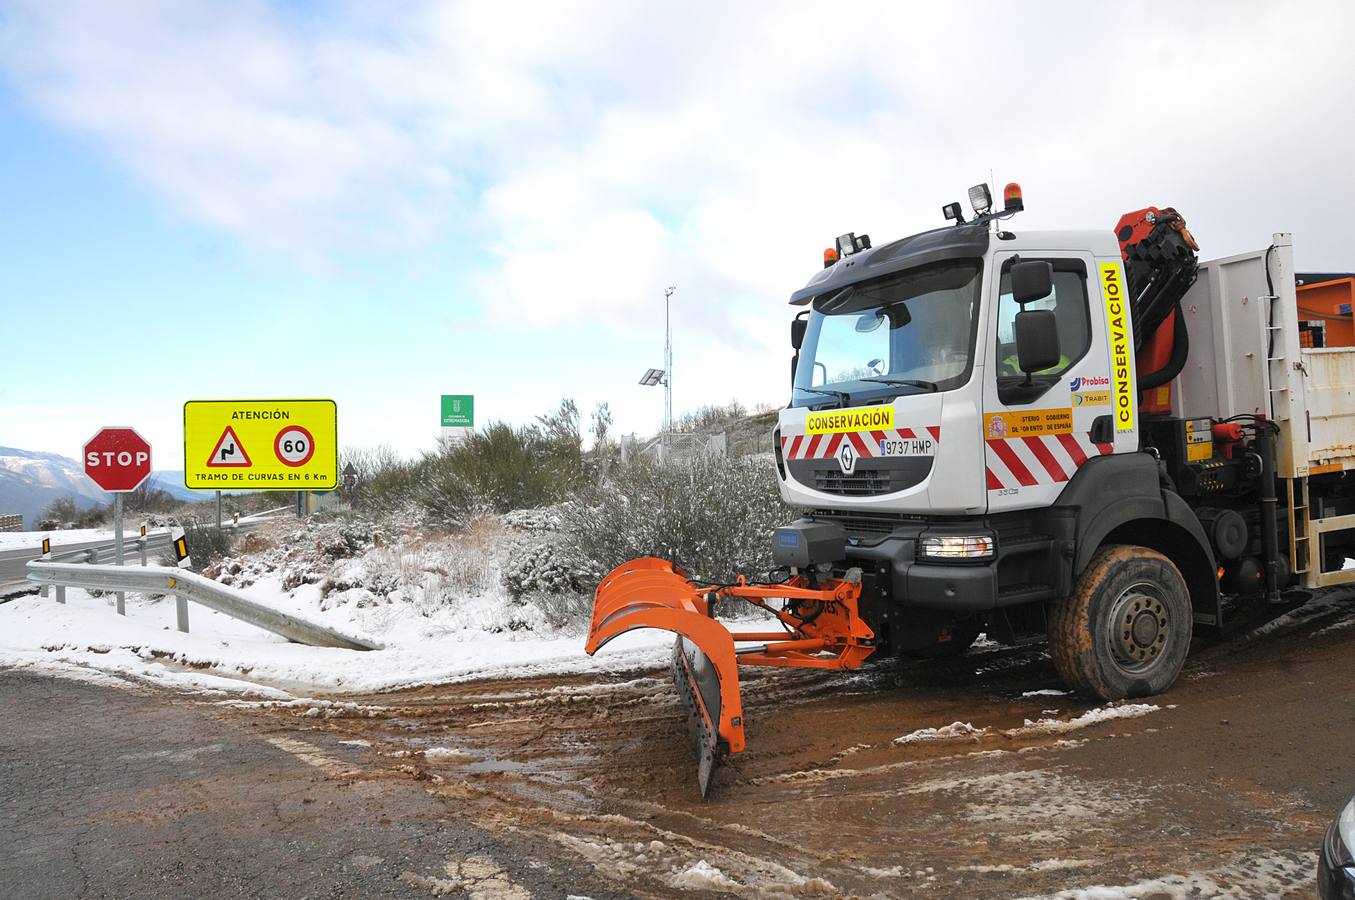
910, 382
843, 398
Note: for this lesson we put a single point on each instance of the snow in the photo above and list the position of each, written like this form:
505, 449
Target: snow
221, 653
1090, 717
702, 876
1276, 874
945, 732
20, 540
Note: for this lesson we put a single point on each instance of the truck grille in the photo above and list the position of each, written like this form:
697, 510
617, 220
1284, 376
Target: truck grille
858, 484
858, 523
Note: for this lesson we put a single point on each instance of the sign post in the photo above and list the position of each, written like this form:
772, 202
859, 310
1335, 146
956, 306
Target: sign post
118, 460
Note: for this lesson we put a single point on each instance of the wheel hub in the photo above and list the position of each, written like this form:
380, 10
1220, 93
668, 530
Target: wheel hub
1138, 627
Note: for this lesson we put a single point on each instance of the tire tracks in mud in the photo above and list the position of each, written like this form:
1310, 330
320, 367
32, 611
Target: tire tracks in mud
826, 802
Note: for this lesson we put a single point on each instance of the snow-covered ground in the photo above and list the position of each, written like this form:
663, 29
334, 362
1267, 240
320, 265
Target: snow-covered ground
223, 653
436, 607
20, 540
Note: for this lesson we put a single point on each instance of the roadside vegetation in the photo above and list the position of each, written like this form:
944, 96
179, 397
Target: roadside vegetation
551, 509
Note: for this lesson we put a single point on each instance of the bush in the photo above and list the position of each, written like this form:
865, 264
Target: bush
539, 564
206, 543
715, 517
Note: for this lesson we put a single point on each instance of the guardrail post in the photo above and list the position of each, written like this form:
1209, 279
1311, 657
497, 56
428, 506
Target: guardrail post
181, 612
141, 545
61, 593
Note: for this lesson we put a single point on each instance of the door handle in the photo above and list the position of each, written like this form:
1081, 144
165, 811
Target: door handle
1102, 430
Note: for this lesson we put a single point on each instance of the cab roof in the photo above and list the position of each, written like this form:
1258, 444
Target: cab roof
951, 242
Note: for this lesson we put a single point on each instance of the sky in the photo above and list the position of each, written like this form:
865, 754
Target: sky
382, 203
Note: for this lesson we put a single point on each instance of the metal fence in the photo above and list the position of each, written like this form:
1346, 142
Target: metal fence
675, 447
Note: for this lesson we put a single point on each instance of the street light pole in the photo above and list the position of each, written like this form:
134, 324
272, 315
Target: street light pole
668, 371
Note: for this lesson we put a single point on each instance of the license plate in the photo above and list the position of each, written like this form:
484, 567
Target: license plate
908, 447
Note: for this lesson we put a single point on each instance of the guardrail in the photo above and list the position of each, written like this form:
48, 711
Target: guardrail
186, 586
60, 571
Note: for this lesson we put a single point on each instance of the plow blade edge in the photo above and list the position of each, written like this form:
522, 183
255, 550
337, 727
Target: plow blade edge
653, 593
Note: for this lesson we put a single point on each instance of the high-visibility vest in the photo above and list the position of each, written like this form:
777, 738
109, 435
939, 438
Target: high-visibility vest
1012, 366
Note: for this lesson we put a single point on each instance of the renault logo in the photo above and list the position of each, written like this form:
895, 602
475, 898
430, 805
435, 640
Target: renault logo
846, 458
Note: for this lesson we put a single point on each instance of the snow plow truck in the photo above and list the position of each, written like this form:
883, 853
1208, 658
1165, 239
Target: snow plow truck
1087, 435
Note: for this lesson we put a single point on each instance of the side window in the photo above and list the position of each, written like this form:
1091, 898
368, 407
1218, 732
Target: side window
1068, 301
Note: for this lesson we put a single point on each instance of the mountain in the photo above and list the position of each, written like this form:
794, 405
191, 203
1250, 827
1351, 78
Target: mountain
30, 480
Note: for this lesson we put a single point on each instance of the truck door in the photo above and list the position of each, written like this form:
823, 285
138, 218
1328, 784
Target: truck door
1037, 429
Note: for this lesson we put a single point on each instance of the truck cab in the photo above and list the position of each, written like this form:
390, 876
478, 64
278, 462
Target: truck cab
964, 425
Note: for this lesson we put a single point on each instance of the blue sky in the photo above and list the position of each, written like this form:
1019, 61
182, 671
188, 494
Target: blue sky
268, 200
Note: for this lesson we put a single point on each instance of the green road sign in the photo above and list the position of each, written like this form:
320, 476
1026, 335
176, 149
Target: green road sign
458, 410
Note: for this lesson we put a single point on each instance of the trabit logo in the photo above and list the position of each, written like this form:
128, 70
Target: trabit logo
846, 458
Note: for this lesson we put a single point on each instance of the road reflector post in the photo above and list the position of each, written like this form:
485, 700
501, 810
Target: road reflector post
179, 542
46, 546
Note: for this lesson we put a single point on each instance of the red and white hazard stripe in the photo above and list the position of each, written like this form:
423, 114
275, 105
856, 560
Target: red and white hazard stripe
866, 443
1044, 459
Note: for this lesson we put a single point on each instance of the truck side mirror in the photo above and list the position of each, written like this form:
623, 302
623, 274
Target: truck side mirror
1031, 280
1037, 340
797, 332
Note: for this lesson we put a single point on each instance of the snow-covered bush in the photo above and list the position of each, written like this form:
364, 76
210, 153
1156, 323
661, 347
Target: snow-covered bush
344, 539
544, 518
539, 564
714, 516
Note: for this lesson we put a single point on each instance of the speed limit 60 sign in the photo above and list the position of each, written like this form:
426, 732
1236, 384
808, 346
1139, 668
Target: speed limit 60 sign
261, 445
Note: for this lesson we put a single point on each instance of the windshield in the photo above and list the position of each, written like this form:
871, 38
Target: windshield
904, 333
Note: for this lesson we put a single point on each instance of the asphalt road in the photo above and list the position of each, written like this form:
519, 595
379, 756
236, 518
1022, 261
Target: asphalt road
118, 792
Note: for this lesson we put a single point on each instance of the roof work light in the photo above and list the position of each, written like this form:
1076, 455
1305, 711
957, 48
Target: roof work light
952, 211
850, 243
980, 199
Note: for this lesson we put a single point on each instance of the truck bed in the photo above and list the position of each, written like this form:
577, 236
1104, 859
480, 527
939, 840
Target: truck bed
1245, 357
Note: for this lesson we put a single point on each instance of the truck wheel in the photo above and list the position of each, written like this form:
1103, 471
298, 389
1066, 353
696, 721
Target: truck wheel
1124, 631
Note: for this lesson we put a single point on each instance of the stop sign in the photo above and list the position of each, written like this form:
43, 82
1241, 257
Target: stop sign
117, 459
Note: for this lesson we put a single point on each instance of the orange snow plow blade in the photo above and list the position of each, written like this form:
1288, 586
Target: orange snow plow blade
822, 629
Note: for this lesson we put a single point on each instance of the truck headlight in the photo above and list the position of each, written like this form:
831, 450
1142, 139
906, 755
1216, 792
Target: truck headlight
956, 546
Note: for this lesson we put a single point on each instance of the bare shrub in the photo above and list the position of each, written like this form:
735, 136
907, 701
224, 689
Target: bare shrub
714, 516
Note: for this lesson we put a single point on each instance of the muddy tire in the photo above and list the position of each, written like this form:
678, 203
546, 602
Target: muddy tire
1124, 631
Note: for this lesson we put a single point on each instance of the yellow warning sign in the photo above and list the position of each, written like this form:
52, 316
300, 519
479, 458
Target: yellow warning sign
870, 418
261, 445
1121, 353
1028, 423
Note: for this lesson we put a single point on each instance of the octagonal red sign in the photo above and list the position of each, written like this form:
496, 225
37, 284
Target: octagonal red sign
117, 459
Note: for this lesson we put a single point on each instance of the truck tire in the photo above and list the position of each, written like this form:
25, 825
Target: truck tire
1124, 631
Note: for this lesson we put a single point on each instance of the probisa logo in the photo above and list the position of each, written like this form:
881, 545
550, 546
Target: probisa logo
1087, 381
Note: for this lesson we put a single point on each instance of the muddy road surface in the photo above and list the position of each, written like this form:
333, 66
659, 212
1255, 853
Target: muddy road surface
977, 777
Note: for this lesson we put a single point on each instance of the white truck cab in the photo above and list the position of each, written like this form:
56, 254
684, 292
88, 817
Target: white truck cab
975, 426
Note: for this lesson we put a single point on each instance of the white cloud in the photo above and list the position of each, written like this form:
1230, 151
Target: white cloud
601, 151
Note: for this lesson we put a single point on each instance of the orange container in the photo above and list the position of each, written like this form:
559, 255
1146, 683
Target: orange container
1330, 301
